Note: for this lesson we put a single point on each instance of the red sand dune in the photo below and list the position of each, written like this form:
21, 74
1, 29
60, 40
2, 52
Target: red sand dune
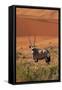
37, 22
25, 26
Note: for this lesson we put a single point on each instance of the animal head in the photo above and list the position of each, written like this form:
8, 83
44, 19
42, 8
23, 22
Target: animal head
34, 50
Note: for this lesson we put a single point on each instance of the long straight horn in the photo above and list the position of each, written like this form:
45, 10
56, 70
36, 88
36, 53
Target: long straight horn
30, 44
34, 41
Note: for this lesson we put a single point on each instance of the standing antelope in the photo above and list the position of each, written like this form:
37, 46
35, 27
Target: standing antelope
39, 54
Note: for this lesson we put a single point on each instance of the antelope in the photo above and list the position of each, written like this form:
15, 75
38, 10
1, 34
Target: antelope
39, 54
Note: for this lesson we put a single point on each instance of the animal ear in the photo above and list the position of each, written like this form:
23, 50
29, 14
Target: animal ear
29, 46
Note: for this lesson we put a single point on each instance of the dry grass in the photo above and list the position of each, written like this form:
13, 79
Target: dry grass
27, 69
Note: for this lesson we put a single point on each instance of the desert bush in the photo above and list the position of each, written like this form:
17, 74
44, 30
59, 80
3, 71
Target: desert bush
18, 54
26, 71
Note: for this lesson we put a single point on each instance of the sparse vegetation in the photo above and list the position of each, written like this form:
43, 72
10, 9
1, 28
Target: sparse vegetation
28, 70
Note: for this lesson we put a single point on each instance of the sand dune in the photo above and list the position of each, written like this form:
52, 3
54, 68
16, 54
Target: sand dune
29, 27
40, 42
36, 22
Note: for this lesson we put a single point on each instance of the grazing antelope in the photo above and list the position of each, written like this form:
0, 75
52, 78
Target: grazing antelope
39, 54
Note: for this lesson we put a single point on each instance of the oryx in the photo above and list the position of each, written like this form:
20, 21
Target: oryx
39, 54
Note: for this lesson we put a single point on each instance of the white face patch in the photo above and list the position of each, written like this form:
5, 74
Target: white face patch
32, 52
